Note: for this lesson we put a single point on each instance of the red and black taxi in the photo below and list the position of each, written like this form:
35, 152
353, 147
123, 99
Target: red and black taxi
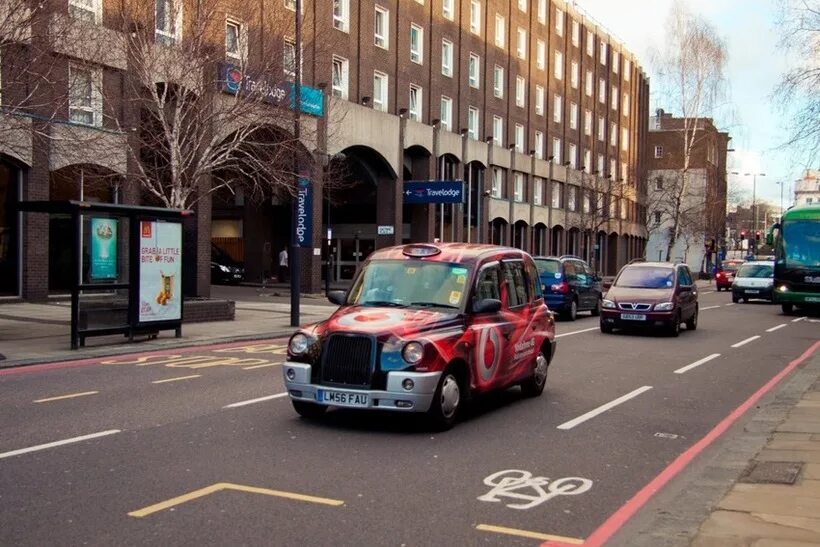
422, 328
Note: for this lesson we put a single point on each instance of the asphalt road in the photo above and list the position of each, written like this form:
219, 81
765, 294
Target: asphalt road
200, 446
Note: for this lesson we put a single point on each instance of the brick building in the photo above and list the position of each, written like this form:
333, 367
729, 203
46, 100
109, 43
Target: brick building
530, 102
702, 209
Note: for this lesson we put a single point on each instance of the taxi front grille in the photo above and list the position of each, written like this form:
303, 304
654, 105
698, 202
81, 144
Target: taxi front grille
348, 360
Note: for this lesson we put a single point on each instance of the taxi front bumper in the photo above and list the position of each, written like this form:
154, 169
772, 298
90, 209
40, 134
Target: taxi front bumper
395, 397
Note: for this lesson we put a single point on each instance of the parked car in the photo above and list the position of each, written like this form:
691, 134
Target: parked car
423, 328
569, 285
651, 295
754, 280
725, 275
224, 269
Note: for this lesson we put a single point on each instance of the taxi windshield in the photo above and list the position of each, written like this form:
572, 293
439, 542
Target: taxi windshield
756, 270
410, 283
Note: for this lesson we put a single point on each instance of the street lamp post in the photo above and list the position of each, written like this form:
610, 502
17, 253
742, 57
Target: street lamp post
754, 195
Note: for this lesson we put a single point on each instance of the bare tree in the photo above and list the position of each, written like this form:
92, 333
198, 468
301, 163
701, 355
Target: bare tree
797, 91
691, 69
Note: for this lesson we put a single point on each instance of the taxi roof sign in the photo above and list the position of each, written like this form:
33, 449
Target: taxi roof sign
420, 251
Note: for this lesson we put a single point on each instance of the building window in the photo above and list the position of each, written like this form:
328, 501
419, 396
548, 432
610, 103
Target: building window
659, 183
539, 145
603, 53
588, 84
588, 123
518, 191
624, 175
558, 67
539, 100
556, 150
381, 32
615, 59
522, 5
587, 160
520, 91
573, 75
559, 22
168, 22
289, 59
414, 110
236, 43
446, 113
472, 123
519, 138
613, 167
84, 95
473, 72
602, 91
538, 191
291, 5
657, 217
557, 192
601, 129
576, 33
500, 26
572, 198
475, 17
498, 81
541, 55
590, 43
601, 164
624, 139
447, 58
380, 83
416, 44
658, 151
341, 15
625, 104
86, 10
573, 116
613, 134
542, 12
614, 97
521, 48
498, 183
447, 9
556, 110
627, 69
341, 72
498, 130
572, 151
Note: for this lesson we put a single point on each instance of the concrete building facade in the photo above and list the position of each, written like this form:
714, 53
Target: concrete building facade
807, 189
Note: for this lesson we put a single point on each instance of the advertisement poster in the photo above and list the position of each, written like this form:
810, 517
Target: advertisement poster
160, 271
103, 248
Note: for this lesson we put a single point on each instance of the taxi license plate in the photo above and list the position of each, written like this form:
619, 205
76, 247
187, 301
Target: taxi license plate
752, 291
342, 398
633, 316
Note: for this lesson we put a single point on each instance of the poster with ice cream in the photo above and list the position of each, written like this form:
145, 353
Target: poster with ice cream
160, 271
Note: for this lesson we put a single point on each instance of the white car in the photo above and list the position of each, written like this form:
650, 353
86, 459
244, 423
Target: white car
754, 279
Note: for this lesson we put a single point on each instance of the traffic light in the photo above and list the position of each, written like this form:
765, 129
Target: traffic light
757, 235
743, 234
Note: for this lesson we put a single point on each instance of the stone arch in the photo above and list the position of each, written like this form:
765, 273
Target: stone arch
519, 235
498, 231
557, 243
540, 239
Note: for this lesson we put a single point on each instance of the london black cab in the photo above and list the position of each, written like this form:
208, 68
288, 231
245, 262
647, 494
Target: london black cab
422, 328
651, 295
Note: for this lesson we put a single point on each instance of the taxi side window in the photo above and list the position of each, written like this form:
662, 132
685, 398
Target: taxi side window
580, 273
569, 271
517, 293
487, 285
533, 281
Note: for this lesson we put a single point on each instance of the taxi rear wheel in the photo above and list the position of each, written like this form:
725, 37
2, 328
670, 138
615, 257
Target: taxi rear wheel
446, 402
534, 385
309, 410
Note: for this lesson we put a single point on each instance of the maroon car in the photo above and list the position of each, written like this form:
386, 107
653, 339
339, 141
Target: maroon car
651, 295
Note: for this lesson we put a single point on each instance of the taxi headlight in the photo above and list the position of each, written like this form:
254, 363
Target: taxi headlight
608, 304
664, 306
783, 288
412, 352
298, 343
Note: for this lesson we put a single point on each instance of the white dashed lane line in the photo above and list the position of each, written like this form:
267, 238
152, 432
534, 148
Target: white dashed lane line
58, 443
798, 319
746, 341
780, 326
697, 363
577, 332
254, 401
603, 408
709, 308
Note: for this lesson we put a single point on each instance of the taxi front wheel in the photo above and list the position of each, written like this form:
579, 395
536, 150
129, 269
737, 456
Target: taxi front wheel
534, 385
309, 410
446, 402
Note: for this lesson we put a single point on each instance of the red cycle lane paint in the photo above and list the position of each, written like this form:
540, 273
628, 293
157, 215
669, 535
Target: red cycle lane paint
628, 510
27, 369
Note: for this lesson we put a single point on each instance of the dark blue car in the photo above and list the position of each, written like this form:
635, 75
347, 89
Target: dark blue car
569, 285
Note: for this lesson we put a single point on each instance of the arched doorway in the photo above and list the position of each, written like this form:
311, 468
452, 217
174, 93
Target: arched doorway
11, 188
520, 235
498, 231
573, 242
556, 246
474, 172
417, 218
539, 239
612, 254
445, 215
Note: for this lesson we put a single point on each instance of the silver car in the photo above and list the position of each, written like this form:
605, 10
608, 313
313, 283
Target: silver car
754, 279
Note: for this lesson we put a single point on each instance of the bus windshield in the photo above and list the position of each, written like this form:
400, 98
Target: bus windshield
801, 242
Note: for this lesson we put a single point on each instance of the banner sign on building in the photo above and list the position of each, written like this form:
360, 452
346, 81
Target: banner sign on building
103, 248
434, 191
160, 292
304, 213
234, 81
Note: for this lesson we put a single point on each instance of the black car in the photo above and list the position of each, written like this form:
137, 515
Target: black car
569, 285
224, 269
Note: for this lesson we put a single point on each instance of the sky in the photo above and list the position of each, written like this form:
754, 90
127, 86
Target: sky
754, 67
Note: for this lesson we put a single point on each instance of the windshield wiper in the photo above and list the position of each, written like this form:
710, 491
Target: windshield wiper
385, 303
433, 305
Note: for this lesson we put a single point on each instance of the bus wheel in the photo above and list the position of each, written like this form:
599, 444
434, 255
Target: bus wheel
788, 309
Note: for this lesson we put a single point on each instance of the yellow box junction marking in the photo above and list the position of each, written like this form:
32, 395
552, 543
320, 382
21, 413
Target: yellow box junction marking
188, 361
261, 366
275, 349
173, 502
528, 534
69, 396
178, 378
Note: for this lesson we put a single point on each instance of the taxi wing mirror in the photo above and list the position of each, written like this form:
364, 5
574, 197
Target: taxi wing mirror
487, 305
337, 297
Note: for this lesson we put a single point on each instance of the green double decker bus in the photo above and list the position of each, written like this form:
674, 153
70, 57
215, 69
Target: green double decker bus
796, 241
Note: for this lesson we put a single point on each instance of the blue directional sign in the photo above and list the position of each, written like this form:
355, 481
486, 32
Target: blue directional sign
434, 191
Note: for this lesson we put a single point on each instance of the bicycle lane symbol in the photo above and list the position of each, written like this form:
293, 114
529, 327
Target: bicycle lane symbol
521, 485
